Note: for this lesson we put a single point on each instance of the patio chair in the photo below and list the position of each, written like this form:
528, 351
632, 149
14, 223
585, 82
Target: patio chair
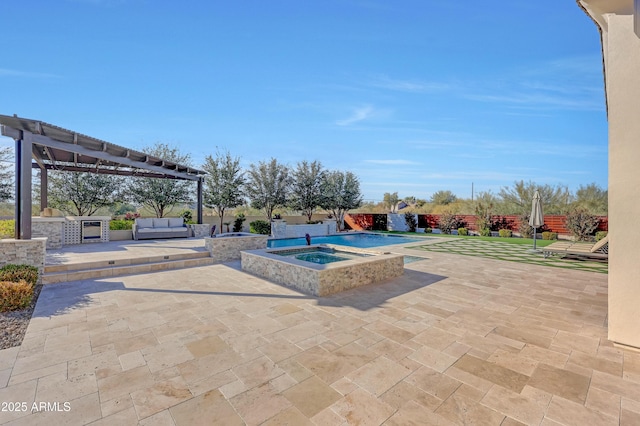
599, 250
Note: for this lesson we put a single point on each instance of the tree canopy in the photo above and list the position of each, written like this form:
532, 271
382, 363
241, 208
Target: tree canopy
82, 194
223, 186
341, 193
6, 175
268, 185
161, 195
306, 191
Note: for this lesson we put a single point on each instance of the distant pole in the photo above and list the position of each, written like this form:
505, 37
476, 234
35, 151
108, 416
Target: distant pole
472, 192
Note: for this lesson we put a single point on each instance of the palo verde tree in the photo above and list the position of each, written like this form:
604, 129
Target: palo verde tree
592, 198
267, 186
391, 201
224, 183
161, 195
306, 182
82, 194
6, 175
517, 199
341, 193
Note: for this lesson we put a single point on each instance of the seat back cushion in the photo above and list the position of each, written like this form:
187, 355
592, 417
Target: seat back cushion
160, 223
144, 223
175, 222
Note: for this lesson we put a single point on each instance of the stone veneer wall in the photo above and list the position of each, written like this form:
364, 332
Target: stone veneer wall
225, 249
50, 228
200, 230
323, 280
24, 252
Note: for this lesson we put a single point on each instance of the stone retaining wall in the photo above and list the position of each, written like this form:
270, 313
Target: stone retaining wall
225, 249
24, 252
50, 228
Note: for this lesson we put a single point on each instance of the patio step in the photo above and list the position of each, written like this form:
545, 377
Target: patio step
118, 267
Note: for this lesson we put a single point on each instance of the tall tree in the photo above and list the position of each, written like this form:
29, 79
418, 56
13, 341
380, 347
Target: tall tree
306, 192
6, 175
391, 201
82, 194
341, 193
161, 195
268, 186
224, 183
556, 200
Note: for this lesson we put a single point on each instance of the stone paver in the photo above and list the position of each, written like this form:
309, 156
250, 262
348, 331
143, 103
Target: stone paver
455, 340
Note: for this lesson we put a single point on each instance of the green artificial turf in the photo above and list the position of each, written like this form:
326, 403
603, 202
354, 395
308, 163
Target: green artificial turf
500, 249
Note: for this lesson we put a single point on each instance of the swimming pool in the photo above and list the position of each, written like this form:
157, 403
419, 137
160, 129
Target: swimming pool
320, 255
360, 240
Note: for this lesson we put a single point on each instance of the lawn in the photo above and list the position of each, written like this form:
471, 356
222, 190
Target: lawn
512, 240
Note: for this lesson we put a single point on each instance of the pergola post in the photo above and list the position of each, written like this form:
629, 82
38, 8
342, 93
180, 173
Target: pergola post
199, 213
44, 202
23, 186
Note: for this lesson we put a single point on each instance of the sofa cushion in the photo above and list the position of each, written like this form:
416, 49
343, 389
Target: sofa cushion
144, 223
160, 222
176, 222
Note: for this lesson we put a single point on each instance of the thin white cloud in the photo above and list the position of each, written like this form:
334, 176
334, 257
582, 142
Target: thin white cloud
413, 86
393, 162
359, 114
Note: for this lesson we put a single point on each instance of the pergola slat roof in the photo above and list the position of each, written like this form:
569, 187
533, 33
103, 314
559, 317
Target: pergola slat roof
61, 149
56, 148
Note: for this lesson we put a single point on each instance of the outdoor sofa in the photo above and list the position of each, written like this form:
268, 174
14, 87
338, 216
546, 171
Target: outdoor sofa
598, 250
153, 228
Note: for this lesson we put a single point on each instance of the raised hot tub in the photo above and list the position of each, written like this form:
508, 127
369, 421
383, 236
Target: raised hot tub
321, 270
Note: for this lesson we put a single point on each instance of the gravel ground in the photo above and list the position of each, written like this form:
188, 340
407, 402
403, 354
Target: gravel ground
13, 325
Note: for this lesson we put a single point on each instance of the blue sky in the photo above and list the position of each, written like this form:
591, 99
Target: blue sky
413, 96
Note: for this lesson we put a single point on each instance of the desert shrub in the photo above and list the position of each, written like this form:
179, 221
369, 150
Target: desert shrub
7, 228
187, 216
313, 222
239, 222
600, 235
581, 224
525, 230
260, 227
410, 220
120, 225
16, 273
15, 295
548, 235
428, 230
463, 231
448, 222
485, 232
505, 233
131, 215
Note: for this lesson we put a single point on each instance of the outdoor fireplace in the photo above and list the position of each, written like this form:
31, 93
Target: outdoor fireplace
91, 231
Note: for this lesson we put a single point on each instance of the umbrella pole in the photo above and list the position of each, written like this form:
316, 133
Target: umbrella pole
534, 237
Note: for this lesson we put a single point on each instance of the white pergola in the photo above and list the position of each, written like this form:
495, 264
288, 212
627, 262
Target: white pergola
48, 147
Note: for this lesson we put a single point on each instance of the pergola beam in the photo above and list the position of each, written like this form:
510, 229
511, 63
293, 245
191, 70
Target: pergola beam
46, 141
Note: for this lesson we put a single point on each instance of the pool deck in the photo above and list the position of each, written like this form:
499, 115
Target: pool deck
456, 340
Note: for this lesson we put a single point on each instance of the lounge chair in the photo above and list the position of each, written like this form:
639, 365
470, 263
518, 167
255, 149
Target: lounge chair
599, 250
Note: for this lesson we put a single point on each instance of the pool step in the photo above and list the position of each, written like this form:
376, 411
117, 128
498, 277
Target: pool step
118, 267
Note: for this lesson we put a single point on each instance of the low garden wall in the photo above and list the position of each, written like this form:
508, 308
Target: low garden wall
226, 249
24, 252
394, 222
281, 229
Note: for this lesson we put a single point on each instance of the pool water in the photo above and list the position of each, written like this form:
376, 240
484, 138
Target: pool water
351, 240
320, 255
320, 258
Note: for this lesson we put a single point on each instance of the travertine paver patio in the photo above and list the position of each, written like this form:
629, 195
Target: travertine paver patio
456, 340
